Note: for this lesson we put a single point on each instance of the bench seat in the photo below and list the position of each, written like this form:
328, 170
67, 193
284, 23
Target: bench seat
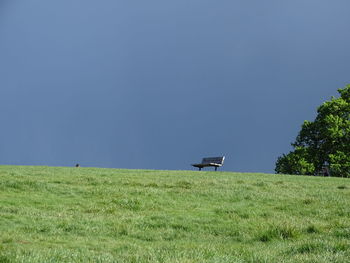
210, 162
201, 165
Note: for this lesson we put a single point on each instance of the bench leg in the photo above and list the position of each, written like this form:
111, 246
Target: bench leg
216, 168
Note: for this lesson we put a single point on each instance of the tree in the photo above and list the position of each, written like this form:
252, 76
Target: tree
326, 140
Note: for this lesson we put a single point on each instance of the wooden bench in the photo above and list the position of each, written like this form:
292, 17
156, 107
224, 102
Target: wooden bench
210, 161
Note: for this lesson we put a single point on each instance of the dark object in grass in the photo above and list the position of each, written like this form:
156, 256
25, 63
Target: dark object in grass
341, 187
312, 229
77, 165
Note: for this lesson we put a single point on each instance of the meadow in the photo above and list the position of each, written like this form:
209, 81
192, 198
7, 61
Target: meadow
57, 214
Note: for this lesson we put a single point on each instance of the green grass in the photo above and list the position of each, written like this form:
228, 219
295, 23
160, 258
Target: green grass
50, 214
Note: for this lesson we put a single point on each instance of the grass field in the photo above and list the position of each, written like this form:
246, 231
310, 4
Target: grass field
50, 214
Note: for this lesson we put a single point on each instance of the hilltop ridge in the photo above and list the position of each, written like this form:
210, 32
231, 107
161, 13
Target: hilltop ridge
59, 214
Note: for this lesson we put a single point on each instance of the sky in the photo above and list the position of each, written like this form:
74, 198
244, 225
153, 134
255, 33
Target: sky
161, 84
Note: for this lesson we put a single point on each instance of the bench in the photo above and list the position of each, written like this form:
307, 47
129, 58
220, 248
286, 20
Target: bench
210, 161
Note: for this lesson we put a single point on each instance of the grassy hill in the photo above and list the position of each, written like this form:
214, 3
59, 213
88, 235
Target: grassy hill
52, 214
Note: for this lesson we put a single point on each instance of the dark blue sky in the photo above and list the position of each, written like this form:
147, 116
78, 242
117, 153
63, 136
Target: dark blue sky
161, 84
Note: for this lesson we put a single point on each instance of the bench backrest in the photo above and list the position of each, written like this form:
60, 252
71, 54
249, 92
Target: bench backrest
218, 160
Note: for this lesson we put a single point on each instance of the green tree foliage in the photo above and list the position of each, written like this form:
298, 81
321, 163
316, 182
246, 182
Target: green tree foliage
325, 140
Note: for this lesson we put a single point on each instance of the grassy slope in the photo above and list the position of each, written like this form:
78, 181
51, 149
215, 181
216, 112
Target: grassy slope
110, 215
